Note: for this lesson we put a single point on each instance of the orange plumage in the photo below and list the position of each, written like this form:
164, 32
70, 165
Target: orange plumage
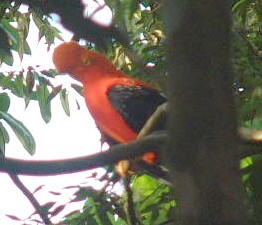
102, 85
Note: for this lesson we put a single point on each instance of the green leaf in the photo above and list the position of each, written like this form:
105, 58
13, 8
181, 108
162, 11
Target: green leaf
54, 92
23, 28
28, 88
145, 185
4, 138
18, 35
19, 85
11, 32
4, 102
5, 53
6, 57
43, 102
116, 220
64, 101
45, 28
22, 133
4, 133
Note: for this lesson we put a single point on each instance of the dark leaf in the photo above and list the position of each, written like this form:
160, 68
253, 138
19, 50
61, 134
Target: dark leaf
55, 193
78, 88
14, 217
64, 101
54, 92
71, 187
4, 102
22, 133
43, 102
47, 206
4, 138
57, 210
5, 53
38, 188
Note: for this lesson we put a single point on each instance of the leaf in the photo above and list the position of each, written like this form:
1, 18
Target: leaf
78, 88
47, 206
240, 5
13, 217
23, 28
22, 133
4, 138
4, 133
36, 221
28, 88
55, 193
12, 33
146, 185
83, 193
5, 53
64, 101
54, 92
43, 102
116, 221
19, 85
38, 188
57, 210
30, 81
48, 73
71, 187
45, 28
4, 102
6, 57
72, 214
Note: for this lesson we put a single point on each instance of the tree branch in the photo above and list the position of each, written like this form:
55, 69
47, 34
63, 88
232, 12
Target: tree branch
31, 198
247, 147
71, 13
115, 154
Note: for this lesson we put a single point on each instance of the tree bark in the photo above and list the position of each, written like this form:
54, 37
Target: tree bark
202, 122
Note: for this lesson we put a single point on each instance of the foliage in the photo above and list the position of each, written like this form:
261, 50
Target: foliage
28, 84
247, 64
142, 22
247, 45
152, 199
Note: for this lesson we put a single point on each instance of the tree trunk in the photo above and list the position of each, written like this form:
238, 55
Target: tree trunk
202, 123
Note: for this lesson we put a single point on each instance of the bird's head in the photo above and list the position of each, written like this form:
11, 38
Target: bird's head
74, 59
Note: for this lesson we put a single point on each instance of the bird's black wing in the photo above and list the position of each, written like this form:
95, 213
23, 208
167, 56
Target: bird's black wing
136, 104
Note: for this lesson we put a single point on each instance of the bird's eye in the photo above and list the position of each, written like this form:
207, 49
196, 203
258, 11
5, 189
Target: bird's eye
86, 61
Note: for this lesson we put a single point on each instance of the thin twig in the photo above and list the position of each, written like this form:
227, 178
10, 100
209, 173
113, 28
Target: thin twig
153, 121
130, 209
30, 197
100, 7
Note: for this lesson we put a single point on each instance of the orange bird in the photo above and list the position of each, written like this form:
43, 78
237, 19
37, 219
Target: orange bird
119, 104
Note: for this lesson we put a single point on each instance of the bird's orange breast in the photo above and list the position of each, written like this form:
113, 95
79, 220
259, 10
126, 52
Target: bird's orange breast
106, 116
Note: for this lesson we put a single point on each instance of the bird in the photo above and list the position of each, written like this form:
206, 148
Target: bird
120, 104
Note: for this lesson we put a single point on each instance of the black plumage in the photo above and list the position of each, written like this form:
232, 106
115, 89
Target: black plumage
136, 104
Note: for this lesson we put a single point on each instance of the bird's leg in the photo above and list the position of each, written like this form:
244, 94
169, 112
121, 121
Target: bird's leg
149, 127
